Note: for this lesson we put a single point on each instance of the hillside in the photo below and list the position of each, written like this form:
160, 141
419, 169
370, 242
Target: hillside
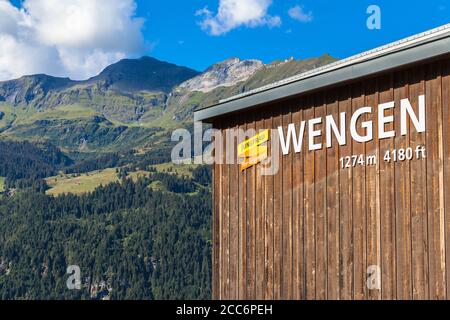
129, 239
135, 234
131, 104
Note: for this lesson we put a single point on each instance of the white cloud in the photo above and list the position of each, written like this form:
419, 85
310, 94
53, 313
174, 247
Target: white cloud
236, 13
298, 13
75, 38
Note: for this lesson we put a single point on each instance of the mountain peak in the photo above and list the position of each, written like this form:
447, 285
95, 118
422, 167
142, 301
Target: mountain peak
232, 60
42, 79
29, 87
226, 73
144, 74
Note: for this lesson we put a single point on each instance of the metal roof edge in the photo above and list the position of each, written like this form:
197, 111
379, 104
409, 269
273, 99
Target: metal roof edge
425, 46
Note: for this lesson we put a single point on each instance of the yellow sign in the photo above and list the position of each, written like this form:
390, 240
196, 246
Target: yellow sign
250, 162
256, 151
253, 151
253, 142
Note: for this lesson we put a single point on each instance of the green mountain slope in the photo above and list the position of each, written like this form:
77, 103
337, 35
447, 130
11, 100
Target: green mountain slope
131, 104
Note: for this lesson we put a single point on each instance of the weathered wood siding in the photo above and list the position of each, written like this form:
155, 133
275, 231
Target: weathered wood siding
312, 230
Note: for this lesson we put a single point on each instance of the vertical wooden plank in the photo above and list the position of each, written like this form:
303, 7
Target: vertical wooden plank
222, 212
259, 212
373, 189
269, 220
217, 178
299, 290
402, 196
286, 275
320, 180
309, 205
278, 207
226, 217
442, 229
359, 203
387, 200
419, 232
446, 142
242, 239
234, 211
345, 206
333, 201
442, 236
251, 222
436, 243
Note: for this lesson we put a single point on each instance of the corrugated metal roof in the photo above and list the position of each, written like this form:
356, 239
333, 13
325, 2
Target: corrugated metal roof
419, 47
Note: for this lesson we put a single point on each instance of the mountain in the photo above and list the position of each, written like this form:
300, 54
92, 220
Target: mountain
125, 76
188, 97
144, 74
226, 74
29, 88
133, 104
128, 86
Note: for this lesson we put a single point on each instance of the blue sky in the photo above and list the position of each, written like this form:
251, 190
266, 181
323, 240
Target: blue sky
338, 28
79, 38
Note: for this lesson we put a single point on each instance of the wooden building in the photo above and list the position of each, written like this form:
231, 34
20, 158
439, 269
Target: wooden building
327, 225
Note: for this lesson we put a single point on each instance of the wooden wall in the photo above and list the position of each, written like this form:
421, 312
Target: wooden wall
312, 230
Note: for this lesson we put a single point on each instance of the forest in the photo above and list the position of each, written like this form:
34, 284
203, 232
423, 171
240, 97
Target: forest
145, 238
